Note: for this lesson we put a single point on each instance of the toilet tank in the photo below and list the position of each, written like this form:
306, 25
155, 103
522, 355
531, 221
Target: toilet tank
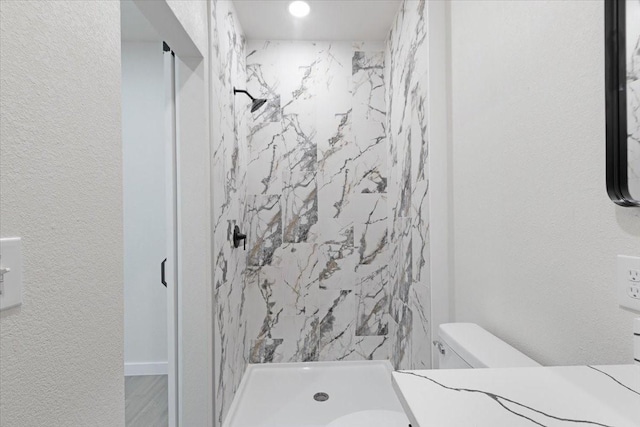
467, 345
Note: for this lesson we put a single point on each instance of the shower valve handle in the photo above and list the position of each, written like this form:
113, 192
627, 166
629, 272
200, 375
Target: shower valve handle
237, 236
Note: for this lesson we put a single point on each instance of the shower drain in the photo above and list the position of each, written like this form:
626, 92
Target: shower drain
321, 397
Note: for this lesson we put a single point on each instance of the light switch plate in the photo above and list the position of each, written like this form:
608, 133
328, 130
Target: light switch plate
11, 284
627, 282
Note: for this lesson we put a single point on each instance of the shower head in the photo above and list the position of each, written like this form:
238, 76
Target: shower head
256, 103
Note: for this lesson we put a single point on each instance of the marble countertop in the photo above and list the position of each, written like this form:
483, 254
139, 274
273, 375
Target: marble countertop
512, 397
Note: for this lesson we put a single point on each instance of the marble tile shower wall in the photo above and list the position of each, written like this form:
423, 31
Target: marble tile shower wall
406, 58
633, 100
330, 181
317, 278
229, 169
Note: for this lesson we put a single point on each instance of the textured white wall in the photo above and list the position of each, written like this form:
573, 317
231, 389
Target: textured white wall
535, 235
144, 139
61, 190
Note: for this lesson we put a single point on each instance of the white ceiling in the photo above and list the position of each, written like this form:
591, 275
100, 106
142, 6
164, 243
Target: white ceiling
329, 20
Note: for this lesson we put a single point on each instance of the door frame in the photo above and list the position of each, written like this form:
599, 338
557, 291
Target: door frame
173, 235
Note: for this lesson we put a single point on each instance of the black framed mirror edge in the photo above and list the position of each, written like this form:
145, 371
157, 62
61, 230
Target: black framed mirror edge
616, 105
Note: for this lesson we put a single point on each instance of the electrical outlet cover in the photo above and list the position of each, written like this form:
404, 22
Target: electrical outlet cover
628, 282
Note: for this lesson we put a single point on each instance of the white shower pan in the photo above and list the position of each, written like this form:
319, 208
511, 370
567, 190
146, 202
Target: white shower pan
360, 394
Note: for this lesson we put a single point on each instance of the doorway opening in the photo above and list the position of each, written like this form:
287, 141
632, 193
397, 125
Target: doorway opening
150, 223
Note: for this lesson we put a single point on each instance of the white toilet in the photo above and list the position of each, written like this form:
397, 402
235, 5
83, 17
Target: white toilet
467, 345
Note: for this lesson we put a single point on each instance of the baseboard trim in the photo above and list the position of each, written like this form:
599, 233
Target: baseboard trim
150, 368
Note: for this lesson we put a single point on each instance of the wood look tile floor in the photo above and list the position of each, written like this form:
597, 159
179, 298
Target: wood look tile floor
146, 401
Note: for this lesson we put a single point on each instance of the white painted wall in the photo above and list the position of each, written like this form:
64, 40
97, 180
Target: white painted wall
192, 14
535, 235
145, 221
195, 277
196, 375
61, 190
440, 195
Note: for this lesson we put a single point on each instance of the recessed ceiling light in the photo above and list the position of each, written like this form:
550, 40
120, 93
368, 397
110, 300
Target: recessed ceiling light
299, 9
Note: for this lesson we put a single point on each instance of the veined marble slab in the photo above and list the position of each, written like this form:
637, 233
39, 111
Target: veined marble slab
512, 397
